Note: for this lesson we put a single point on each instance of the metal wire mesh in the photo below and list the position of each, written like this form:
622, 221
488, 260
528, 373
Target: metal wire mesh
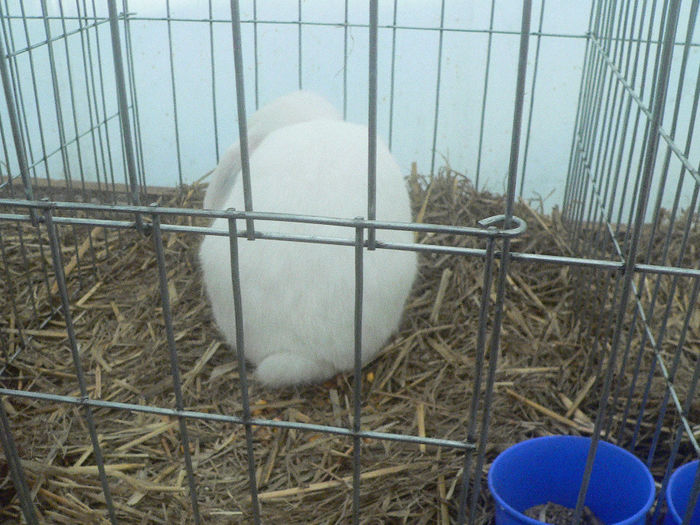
629, 159
609, 220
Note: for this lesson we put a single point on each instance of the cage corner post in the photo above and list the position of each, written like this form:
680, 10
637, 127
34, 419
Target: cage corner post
505, 256
123, 110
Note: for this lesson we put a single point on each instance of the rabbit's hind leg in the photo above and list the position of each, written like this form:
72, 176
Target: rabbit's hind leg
286, 369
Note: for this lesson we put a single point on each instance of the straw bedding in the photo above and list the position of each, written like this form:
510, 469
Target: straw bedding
547, 381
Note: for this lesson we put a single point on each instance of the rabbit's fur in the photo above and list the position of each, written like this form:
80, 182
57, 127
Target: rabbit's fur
299, 106
298, 298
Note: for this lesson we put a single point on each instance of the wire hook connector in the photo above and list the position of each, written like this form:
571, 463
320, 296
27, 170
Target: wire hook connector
516, 227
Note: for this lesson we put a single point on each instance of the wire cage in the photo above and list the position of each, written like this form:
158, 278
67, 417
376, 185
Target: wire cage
98, 370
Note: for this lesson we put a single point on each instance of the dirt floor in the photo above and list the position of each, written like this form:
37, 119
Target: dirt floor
554, 344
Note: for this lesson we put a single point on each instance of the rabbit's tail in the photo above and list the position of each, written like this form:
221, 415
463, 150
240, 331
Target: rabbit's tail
284, 369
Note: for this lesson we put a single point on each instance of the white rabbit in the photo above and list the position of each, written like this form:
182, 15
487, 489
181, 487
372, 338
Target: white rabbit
293, 108
298, 298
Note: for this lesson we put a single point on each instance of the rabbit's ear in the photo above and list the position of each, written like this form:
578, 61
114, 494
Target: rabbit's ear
226, 172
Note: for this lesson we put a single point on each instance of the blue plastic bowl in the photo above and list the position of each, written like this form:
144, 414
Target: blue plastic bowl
678, 494
551, 468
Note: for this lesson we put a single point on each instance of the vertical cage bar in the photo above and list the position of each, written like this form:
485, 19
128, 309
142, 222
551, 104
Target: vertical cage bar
138, 144
393, 75
15, 127
6, 440
71, 92
5, 350
478, 372
75, 352
212, 65
585, 141
240, 358
639, 170
27, 147
657, 61
692, 17
595, 79
505, 254
174, 92
44, 263
612, 177
19, 97
659, 99
16, 471
357, 379
174, 364
491, 378
242, 119
480, 147
20, 236
617, 105
105, 144
627, 177
532, 99
647, 128
592, 129
63, 146
256, 68
436, 111
628, 110
83, 24
345, 62
618, 251
596, 204
372, 123
124, 109
604, 133
614, 235
12, 290
573, 174
81, 168
57, 103
299, 40
6, 152
518, 112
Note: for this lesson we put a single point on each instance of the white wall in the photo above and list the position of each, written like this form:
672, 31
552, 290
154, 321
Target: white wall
462, 79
